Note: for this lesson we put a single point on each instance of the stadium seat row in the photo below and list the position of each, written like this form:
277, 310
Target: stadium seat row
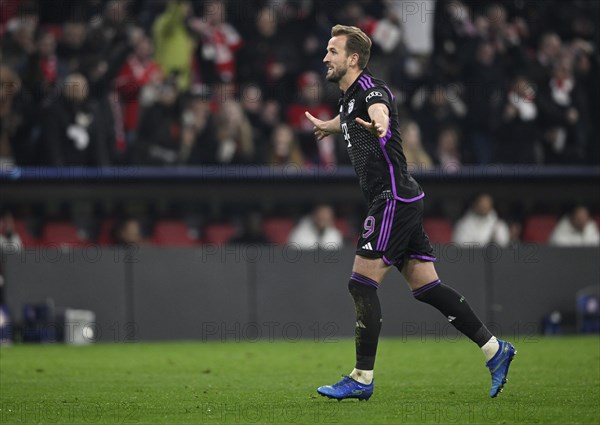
536, 229
165, 233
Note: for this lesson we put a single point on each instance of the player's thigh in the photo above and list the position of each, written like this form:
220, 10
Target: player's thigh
373, 268
419, 273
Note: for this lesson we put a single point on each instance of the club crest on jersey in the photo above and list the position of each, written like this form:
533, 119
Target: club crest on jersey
350, 106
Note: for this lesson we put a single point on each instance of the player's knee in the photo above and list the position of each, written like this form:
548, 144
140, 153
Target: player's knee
422, 291
359, 283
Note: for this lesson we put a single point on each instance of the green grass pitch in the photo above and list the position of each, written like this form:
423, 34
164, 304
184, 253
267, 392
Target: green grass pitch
551, 381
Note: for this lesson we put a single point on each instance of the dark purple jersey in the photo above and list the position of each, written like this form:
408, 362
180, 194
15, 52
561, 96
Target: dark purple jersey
379, 162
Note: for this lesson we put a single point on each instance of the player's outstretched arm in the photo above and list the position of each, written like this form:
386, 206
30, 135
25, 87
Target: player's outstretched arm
324, 128
380, 120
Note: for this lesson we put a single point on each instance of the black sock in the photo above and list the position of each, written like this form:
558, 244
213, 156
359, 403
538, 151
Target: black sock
455, 307
368, 319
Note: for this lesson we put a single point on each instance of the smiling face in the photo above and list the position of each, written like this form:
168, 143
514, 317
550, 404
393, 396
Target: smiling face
337, 60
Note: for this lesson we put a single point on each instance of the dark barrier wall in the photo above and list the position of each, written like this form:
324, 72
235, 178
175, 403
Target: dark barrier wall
178, 293
236, 293
91, 279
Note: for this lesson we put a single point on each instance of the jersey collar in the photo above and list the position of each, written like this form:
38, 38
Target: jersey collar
352, 87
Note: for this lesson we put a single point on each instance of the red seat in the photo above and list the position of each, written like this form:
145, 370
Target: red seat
219, 233
344, 227
27, 238
277, 229
537, 228
105, 233
173, 233
61, 233
438, 229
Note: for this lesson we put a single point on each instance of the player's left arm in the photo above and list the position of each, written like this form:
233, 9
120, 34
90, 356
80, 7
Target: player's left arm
380, 119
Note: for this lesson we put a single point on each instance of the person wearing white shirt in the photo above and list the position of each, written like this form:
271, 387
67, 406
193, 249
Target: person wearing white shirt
576, 229
481, 225
317, 230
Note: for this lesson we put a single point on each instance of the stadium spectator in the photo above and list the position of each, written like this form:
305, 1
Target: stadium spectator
43, 72
481, 225
284, 147
436, 107
454, 36
384, 29
218, 43
73, 46
563, 116
448, 153
16, 121
576, 229
106, 48
199, 138
313, 35
417, 158
586, 70
310, 98
504, 35
139, 71
317, 230
129, 233
519, 141
547, 57
484, 87
269, 56
71, 131
18, 35
111, 29
159, 133
109, 45
255, 107
174, 42
235, 144
270, 117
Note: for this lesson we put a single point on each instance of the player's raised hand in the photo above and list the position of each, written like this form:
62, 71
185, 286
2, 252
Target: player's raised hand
373, 127
320, 127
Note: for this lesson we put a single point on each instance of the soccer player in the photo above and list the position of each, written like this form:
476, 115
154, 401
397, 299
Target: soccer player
393, 232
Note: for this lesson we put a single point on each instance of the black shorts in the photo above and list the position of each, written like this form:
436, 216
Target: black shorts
393, 231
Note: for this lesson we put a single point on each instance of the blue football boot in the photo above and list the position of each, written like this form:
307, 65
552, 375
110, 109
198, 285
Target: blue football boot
498, 366
347, 388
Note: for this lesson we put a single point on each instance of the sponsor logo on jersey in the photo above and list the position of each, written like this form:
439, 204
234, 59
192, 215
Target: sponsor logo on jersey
372, 95
350, 106
368, 247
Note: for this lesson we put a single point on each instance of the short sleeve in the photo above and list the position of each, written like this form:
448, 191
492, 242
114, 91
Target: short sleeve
377, 95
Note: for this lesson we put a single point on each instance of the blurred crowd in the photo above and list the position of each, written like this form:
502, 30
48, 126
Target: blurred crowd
175, 82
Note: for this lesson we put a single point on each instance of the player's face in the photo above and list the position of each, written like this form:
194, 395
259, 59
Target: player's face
336, 59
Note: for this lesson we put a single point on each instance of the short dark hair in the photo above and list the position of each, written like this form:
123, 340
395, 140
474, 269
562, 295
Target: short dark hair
356, 42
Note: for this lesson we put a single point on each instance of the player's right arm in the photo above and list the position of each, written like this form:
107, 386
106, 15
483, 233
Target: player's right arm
325, 128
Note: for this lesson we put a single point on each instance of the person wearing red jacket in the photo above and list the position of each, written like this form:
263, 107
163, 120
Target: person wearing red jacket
139, 71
